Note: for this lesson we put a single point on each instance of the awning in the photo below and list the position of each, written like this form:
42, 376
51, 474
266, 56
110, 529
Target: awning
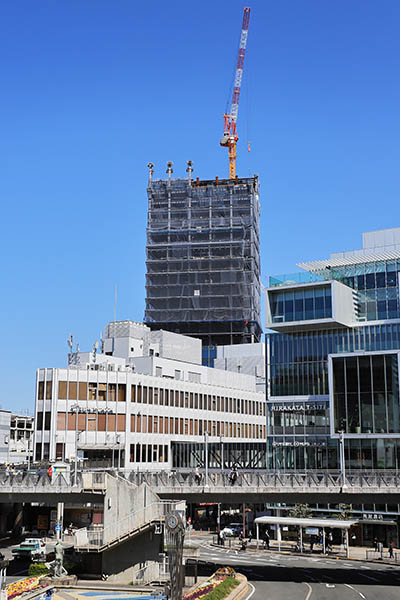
331, 523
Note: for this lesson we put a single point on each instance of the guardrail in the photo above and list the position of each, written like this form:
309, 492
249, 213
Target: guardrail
249, 479
21, 481
97, 536
175, 481
376, 555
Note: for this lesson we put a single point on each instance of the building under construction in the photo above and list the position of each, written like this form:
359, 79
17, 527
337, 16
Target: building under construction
203, 259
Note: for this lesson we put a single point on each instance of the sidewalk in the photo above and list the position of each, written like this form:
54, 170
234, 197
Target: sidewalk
338, 552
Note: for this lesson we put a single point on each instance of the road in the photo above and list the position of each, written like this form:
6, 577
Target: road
276, 577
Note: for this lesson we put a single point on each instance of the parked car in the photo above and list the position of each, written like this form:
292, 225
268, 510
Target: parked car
32, 548
232, 530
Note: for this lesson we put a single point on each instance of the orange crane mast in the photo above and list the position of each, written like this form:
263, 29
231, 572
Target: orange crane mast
230, 137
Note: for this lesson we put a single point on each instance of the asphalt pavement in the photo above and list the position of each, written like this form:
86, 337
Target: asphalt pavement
274, 576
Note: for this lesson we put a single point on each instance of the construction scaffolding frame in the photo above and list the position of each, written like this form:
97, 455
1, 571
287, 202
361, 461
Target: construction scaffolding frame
203, 259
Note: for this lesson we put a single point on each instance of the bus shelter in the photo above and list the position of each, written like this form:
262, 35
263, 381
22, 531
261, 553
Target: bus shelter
301, 523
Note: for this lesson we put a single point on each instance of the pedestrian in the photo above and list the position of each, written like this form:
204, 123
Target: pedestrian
391, 550
7, 470
233, 476
197, 476
39, 472
50, 471
221, 538
250, 536
311, 544
376, 544
330, 541
266, 540
244, 545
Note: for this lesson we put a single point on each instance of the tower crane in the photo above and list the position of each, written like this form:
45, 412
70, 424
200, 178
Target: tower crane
230, 137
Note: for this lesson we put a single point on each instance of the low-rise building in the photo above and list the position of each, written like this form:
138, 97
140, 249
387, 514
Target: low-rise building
146, 402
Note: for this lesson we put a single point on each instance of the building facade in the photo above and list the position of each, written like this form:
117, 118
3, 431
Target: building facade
139, 405
21, 438
332, 363
203, 260
5, 420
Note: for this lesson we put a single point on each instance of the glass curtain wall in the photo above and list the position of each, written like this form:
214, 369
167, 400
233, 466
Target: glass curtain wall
366, 394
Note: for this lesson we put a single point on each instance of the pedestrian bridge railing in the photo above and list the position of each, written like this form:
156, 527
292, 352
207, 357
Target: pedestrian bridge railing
98, 537
263, 480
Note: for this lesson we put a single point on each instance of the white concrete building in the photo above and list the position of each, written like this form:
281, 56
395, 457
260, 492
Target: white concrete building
147, 402
5, 419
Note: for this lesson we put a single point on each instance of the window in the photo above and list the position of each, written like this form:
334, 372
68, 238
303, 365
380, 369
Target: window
72, 390
92, 390
102, 391
120, 422
61, 420
49, 390
112, 392
39, 420
62, 390
41, 390
82, 391
121, 392
133, 393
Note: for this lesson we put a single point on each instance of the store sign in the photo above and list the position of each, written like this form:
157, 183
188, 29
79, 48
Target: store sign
296, 408
372, 517
298, 444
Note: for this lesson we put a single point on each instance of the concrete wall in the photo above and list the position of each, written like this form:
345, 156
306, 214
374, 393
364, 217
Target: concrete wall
121, 500
124, 560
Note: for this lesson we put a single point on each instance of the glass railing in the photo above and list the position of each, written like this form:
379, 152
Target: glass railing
293, 279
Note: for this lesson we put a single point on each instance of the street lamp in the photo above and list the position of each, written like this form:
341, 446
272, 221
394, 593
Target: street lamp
221, 441
342, 457
206, 457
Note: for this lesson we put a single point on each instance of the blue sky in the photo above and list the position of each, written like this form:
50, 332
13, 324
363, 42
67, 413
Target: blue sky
92, 91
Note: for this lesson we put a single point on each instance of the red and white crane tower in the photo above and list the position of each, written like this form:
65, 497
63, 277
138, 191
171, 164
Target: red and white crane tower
230, 136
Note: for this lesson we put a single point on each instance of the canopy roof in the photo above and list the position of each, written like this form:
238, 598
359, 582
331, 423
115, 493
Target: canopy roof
331, 523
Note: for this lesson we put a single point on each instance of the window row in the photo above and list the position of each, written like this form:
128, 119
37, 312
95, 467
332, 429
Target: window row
303, 347
180, 399
148, 453
73, 390
186, 426
90, 422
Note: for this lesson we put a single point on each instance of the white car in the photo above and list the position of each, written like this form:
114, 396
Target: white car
232, 530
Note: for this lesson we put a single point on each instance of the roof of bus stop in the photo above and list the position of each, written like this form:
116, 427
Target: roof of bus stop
322, 523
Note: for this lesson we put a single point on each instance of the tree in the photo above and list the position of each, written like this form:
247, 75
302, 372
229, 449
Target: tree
345, 514
300, 511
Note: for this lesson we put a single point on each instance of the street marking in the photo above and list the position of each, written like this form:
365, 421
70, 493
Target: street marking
251, 593
354, 590
329, 585
369, 577
309, 591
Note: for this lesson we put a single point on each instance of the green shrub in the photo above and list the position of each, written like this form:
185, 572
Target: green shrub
223, 589
37, 569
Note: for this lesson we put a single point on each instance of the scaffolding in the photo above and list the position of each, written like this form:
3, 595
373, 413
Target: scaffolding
203, 259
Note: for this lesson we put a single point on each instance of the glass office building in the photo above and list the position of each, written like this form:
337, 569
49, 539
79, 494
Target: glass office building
332, 361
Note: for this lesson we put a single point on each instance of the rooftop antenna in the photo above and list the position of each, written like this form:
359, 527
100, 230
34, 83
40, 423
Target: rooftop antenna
70, 342
115, 301
169, 170
150, 166
189, 169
